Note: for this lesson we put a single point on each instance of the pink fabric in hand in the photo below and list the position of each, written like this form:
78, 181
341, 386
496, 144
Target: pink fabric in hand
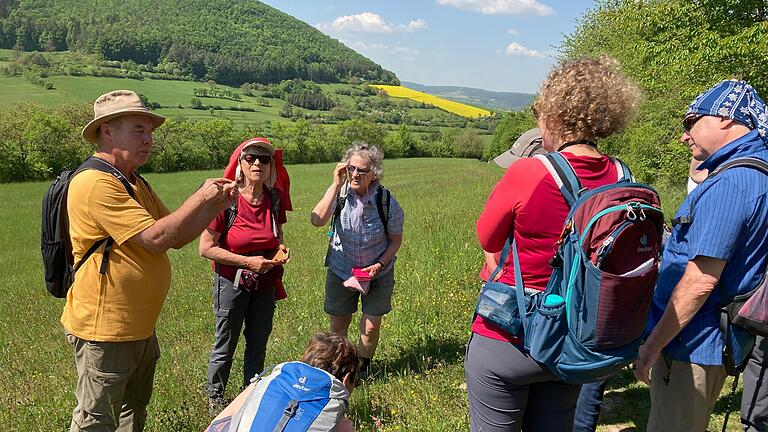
361, 274
355, 284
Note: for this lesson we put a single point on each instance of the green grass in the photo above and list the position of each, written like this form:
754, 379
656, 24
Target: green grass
420, 358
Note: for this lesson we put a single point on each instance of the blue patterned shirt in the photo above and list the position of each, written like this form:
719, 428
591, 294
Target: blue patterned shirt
360, 249
729, 214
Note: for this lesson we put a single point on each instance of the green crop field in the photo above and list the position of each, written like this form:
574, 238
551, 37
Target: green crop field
168, 93
418, 378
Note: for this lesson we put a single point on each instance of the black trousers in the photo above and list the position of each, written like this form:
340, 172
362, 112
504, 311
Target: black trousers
754, 401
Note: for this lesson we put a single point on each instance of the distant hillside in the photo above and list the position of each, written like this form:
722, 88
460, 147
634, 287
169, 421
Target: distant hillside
229, 41
476, 97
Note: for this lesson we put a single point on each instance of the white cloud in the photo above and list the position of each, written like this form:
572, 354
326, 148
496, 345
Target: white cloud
366, 22
407, 53
515, 49
513, 32
500, 7
369, 22
416, 25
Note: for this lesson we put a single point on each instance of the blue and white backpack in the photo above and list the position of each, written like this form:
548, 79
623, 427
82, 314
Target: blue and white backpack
295, 397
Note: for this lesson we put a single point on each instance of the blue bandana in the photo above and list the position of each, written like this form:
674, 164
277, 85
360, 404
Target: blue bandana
735, 100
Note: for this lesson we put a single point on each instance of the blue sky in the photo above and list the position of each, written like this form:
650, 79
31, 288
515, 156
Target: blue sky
501, 45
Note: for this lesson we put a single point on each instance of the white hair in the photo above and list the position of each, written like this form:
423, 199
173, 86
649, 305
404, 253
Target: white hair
369, 152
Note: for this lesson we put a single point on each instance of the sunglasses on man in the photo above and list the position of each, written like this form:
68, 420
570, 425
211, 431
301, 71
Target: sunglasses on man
691, 120
251, 158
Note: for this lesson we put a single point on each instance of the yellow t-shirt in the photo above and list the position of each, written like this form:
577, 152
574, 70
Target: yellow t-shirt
124, 304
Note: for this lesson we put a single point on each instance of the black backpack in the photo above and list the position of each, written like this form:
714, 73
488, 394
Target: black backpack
55, 243
383, 214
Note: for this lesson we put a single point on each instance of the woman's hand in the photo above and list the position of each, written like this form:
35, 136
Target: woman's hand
339, 174
374, 269
259, 264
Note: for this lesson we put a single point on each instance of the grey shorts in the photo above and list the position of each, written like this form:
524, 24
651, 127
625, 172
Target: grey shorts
340, 300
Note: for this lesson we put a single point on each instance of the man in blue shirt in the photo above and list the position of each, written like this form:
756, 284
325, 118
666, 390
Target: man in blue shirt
718, 245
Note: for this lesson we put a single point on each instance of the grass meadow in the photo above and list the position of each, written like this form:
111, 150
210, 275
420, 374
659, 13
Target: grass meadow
419, 364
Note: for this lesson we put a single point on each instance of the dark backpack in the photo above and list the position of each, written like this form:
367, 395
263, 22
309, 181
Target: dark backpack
55, 244
383, 199
589, 321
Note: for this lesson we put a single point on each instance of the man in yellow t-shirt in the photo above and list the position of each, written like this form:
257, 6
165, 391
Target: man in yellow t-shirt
110, 316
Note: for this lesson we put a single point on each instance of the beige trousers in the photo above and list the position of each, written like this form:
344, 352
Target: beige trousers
683, 395
114, 384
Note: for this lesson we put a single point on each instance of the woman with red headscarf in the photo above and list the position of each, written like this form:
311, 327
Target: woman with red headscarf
243, 242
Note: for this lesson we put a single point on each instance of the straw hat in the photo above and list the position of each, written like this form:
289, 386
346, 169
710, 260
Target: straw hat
115, 104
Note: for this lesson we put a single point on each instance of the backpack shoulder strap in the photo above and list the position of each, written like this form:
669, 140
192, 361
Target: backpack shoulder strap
340, 201
274, 198
230, 214
143, 180
380, 200
625, 174
749, 162
99, 164
564, 175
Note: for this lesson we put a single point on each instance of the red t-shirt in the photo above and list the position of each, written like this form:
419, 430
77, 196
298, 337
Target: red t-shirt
251, 231
528, 201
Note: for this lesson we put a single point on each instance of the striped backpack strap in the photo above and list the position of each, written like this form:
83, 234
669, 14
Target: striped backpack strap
564, 174
625, 174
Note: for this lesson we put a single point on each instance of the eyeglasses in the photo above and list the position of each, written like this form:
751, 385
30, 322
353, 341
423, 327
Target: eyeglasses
251, 158
691, 120
362, 171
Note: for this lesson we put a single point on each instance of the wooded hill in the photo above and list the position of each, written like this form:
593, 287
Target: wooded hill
228, 41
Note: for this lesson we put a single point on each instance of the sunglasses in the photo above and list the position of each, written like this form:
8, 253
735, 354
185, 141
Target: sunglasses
691, 120
251, 158
362, 171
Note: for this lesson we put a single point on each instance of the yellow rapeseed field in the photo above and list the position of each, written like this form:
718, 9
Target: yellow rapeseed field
448, 105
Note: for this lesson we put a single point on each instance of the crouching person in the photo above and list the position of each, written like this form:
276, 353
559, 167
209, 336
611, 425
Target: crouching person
310, 395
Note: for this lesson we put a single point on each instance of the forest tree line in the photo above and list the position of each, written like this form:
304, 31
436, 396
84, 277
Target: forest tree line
229, 41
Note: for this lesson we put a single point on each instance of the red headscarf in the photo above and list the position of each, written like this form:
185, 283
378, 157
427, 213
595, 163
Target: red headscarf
282, 186
282, 181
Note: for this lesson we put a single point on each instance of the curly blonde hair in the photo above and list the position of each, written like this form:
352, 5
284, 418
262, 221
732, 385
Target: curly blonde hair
586, 99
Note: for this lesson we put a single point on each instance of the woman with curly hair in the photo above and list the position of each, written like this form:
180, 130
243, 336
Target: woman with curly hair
581, 101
